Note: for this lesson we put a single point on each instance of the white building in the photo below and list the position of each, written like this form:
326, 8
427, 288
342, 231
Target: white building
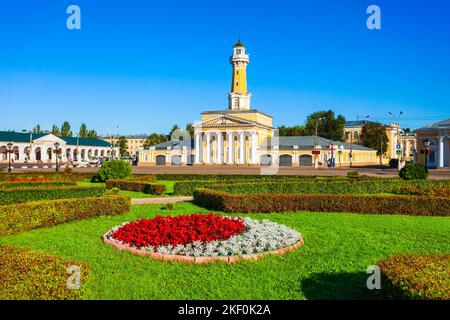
28, 148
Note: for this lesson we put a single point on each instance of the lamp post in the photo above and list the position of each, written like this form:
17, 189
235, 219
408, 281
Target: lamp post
10, 150
57, 150
426, 143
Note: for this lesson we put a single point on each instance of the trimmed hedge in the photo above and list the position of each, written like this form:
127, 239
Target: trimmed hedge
253, 203
416, 277
25, 194
425, 192
29, 275
9, 185
138, 186
327, 187
57, 176
26, 216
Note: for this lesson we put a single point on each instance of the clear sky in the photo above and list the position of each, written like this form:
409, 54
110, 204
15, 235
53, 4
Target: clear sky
145, 65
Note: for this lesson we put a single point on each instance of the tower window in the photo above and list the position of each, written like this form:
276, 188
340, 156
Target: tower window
237, 83
238, 51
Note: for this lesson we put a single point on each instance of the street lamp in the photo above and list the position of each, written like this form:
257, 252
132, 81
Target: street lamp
426, 143
9, 145
57, 150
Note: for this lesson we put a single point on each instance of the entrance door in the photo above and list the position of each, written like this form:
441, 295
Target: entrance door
305, 160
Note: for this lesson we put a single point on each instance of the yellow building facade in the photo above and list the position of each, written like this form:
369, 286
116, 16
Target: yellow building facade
241, 136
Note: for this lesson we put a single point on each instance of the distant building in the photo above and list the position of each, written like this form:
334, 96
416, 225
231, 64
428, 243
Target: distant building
242, 136
134, 142
438, 134
407, 141
38, 148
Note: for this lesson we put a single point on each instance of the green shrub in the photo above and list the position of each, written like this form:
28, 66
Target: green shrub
416, 277
352, 174
348, 186
25, 194
240, 203
415, 171
9, 185
29, 275
68, 171
137, 186
114, 169
2, 170
142, 177
113, 191
167, 206
22, 217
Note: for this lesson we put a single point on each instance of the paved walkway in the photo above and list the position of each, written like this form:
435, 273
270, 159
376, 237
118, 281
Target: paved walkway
160, 200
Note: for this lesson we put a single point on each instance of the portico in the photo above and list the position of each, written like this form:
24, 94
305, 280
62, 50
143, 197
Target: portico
438, 134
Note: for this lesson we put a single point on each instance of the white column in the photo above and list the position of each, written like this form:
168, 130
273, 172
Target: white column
241, 147
441, 152
230, 148
219, 148
254, 150
208, 147
198, 142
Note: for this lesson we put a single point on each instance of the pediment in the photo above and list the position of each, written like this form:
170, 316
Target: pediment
225, 121
49, 138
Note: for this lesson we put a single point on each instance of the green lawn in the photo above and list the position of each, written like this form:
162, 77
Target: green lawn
134, 195
332, 263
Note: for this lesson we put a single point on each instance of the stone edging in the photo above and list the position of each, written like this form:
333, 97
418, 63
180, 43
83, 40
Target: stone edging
173, 257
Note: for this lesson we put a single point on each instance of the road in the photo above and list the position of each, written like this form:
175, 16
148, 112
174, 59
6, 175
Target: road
368, 171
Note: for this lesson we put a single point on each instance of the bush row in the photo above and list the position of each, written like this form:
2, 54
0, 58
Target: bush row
25, 194
328, 187
138, 186
416, 277
426, 192
28, 275
233, 177
248, 203
26, 216
9, 185
57, 176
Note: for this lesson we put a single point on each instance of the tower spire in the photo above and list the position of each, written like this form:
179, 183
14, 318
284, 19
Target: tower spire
239, 98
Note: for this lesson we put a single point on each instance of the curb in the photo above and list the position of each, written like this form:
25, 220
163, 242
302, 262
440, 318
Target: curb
200, 260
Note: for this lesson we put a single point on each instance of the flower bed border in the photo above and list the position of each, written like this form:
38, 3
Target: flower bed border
190, 259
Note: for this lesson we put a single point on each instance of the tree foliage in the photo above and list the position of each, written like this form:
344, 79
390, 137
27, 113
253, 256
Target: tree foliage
373, 135
65, 129
123, 146
328, 125
55, 130
154, 139
85, 133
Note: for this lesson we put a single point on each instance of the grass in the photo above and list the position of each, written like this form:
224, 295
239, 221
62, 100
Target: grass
131, 194
331, 265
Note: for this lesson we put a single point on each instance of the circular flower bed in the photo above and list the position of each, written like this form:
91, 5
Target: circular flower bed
203, 238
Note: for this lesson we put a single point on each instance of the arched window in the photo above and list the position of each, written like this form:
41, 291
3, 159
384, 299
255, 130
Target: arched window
355, 135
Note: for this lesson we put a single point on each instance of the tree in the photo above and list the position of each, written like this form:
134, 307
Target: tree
373, 135
154, 139
175, 127
83, 131
37, 129
190, 129
123, 146
65, 129
92, 134
328, 126
55, 130
291, 131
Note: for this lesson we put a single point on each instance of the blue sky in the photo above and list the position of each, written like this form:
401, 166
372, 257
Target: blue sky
145, 65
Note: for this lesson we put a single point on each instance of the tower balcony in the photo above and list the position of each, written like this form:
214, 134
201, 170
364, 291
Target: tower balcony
239, 58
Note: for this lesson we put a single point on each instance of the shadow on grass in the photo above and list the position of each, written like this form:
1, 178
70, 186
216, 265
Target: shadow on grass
339, 286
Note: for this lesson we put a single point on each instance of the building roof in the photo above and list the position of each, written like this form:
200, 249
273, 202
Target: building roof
238, 44
178, 144
307, 143
356, 123
444, 124
11, 136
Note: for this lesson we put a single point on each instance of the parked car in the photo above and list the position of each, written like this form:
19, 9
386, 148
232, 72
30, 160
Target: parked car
94, 161
81, 163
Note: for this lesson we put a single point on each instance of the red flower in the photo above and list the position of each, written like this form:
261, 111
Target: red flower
178, 230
